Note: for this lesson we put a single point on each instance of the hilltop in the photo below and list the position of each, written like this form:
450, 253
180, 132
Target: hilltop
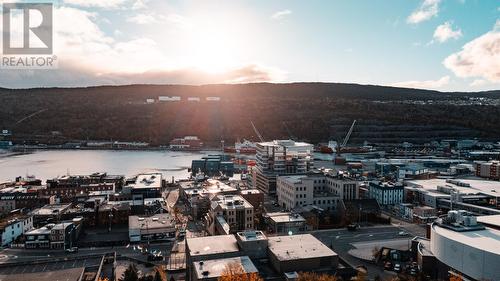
308, 111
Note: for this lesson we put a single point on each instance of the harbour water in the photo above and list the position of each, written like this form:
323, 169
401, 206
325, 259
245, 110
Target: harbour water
45, 164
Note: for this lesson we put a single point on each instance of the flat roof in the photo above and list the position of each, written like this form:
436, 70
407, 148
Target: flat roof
152, 180
70, 274
476, 186
152, 222
485, 240
38, 231
215, 268
251, 235
285, 217
490, 220
232, 202
296, 247
285, 143
51, 209
210, 245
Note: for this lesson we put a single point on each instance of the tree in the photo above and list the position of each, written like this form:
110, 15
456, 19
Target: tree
158, 276
235, 272
361, 276
312, 276
456, 278
130, 274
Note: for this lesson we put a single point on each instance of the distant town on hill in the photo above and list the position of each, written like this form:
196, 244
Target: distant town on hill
158, 113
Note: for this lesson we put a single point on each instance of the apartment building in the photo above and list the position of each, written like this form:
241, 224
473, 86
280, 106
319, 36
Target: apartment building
323, 190
281, 157
489, 170
229, 214
386, 193
14, 226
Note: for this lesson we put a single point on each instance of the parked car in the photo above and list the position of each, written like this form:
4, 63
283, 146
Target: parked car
72, 250
352, 227
152, 257
413, 271
388, 265
403, 233
397, 267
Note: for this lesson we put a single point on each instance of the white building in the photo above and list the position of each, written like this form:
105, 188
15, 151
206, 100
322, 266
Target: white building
169, 99
386, 193
194, 99
213, 98
155, 228
466, 248
13, 227
281, 157
321, 190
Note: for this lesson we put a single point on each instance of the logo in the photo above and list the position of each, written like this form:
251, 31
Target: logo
27, 36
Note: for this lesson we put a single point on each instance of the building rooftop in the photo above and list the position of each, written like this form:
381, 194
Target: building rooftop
491, 221
39, 231
286, 143
251, 235
51, 209
281, 217
152, 180
296, 247
48, 275
231, 202
152, 222
209, 245
215, 268
464, 186
487, 239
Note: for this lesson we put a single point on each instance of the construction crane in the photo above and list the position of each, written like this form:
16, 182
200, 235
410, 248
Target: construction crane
346, 139
257, 132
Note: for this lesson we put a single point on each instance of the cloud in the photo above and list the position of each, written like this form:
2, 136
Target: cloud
445, 32
87, 56
140, 4
143, 19
427, 84
281, 14
427, 10
478, 83
96, 3
478, 58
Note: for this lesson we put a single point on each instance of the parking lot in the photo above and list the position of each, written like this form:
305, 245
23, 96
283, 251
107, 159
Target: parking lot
24, 268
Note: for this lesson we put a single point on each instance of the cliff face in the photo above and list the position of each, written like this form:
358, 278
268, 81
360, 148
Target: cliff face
308, 111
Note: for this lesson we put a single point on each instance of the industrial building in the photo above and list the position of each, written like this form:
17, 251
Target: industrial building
480, 197
281, 157
213, 165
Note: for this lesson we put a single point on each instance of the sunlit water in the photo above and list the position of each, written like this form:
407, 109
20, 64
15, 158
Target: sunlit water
45, 164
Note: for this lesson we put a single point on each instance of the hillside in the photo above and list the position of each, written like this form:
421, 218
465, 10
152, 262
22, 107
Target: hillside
308, 111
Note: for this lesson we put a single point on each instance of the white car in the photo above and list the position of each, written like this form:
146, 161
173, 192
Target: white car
403, 233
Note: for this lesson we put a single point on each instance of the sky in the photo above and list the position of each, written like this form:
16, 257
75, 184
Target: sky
446, 45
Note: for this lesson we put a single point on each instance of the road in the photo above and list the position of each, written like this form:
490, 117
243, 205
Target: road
340, 240
132, 251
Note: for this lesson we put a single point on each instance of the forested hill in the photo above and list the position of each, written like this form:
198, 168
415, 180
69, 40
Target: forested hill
308, 111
